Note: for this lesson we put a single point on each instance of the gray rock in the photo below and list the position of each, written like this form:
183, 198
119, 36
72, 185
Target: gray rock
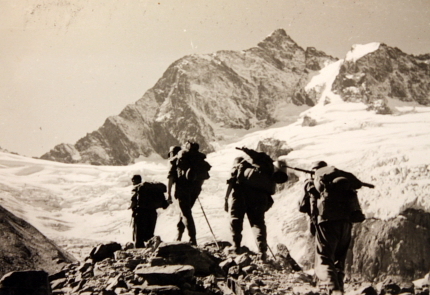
104, 251
25, 283
165, 275
164, 290
184, 253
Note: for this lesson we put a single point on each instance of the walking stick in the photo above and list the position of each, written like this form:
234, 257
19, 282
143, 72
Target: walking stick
268, 247
208, 224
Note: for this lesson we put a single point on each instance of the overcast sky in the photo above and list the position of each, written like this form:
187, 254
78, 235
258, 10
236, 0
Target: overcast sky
66, 65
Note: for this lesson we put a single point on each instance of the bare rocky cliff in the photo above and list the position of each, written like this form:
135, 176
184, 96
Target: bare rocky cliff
387, 73
396, 249
23, 247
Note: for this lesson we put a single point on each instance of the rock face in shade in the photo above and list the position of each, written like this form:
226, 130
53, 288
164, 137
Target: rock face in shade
23, 247
397, 248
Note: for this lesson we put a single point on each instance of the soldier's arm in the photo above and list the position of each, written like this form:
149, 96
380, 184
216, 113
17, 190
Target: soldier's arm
133, 203
227, 194
170, 183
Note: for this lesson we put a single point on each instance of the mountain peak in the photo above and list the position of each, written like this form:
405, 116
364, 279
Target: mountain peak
359, 50
279, 39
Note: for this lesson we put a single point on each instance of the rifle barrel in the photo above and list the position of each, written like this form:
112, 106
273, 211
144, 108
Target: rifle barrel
369, 185
302, 170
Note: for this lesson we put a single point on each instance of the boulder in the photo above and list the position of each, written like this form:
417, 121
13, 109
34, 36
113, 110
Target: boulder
104, 251
25, 283
166, 274
184, 253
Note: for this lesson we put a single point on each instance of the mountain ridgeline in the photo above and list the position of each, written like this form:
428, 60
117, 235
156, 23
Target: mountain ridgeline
199, 95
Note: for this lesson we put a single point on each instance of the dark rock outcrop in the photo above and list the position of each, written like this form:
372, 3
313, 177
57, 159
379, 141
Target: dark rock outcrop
396, 248
274, 147
23, 247
25, 283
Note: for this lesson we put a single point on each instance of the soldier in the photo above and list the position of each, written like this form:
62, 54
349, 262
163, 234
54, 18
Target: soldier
330, 199
146, 199
191, 171
252, 185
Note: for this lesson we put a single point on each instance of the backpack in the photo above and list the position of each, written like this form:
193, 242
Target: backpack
253, 176
192, 165
280, 175
151, 196
338, 195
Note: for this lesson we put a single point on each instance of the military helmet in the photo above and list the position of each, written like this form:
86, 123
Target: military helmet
318, 164
136, 178
173, 150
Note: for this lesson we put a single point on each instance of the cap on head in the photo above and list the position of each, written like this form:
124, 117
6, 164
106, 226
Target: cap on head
136, 178
192, 146
173, 150
237, 160
318, 164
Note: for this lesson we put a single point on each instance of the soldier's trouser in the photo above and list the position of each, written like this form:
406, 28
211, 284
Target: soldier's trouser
255, 213
144, 226
332, 241
187, 194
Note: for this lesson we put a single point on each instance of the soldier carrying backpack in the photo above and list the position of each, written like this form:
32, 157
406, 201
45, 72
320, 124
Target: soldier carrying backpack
330, 199
253, 182
191, 171
146, 198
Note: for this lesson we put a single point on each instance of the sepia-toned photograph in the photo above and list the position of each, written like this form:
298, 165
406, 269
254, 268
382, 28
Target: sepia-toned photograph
191, 147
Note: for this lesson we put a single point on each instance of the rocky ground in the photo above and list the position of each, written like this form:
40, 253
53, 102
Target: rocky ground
179, 268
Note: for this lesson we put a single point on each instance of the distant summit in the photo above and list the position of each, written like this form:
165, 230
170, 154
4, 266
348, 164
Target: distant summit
199, 96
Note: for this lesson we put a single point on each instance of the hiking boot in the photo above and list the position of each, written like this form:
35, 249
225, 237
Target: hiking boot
237, 250
234, 250
262, 256
193, 242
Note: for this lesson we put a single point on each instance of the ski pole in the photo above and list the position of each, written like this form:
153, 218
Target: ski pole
210, 228
268, 247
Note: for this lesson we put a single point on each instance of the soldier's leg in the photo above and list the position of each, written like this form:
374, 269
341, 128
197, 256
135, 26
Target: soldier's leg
194, 190
326, 242
138, 232
187, 218
150, 222
342, 251
237, 213
258, 225
179, 194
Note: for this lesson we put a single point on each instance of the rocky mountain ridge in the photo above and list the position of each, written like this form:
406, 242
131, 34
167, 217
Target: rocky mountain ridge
387, 73
198, 94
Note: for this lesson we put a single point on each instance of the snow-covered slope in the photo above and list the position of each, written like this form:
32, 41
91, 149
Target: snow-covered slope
91, 202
